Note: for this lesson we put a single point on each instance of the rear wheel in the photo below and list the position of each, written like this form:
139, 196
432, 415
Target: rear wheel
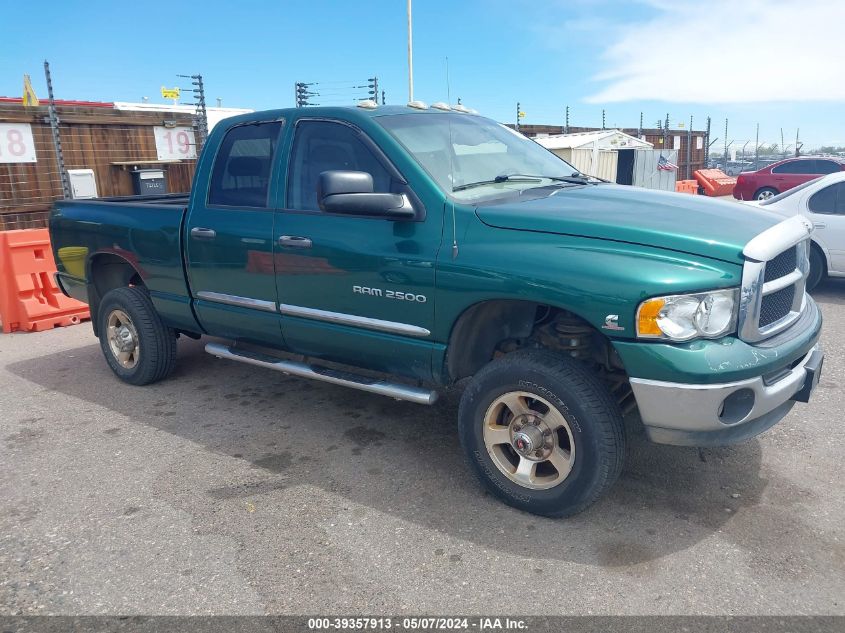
138, 347
542, 433
818, 269
765, 193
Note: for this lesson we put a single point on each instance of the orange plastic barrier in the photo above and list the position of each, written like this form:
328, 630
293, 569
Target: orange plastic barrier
687, 186
715, 182
30, 301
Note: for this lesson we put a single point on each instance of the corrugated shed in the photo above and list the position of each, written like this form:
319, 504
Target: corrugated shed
601, 164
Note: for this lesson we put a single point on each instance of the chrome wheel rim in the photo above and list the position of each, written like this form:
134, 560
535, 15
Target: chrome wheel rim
529, 440
123, 339
765, 195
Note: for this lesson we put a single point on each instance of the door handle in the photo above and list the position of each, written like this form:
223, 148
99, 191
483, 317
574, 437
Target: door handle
819, 225
199, 233
294, 241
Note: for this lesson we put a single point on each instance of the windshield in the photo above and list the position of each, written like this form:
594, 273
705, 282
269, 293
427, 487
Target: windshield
471, 157
787, 193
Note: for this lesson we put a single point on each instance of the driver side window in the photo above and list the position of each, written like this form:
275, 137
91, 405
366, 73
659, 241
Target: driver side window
325, 146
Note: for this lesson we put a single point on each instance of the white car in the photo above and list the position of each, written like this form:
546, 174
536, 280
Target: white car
822, 201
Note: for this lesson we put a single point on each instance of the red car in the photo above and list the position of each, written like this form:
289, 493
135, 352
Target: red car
786, 174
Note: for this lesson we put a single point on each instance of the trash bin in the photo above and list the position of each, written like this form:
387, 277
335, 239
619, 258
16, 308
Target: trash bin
149, 182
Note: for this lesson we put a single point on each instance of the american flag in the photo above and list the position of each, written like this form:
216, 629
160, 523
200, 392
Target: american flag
664, 165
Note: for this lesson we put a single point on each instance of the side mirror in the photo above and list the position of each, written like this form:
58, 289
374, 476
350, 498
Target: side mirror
351, 192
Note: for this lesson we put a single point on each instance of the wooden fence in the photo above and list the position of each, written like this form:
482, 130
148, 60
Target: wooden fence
111, 142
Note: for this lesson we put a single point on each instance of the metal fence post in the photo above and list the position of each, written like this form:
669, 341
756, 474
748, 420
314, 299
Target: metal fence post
200, 113
689, 149
54, 128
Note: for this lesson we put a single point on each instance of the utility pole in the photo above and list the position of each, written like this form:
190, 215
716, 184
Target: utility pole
410, 56
54, 128
303, 94
797, 144
602, 118
566, 127
707, 145
781, 143
517, 115
372, 88
726, 145
666, 132
640, 129
757, 149
382, 98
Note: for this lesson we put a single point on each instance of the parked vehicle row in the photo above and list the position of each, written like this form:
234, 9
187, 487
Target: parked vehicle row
782, 176
822, 201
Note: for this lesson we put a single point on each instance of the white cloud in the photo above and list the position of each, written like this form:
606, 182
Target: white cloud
728, 51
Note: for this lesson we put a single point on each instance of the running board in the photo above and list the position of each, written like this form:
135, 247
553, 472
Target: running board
334, 376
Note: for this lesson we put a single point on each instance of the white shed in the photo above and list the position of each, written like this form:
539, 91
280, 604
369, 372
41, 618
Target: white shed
614, 156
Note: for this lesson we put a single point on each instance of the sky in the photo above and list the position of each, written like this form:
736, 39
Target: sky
778, 63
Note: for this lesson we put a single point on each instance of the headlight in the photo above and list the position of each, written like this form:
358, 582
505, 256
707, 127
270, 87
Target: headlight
685, 317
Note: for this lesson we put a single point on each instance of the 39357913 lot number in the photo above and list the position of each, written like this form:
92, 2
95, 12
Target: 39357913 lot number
407, 624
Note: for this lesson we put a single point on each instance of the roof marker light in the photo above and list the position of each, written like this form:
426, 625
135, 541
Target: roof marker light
461, 108
441, 106
367, 104
419, 105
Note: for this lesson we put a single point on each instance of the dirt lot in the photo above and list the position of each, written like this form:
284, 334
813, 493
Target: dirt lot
230, 489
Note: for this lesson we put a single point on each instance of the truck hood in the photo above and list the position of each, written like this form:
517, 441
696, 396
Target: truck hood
685, 223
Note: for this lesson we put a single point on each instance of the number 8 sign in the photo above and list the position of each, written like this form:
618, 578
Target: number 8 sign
16, 144
175, 143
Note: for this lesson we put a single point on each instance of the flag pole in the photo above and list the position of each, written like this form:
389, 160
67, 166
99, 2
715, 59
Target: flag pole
410, 57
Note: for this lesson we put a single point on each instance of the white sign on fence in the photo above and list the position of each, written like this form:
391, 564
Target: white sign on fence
16, 143
175, 143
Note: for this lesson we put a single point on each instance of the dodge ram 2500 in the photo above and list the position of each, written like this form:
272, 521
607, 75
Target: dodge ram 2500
399, 250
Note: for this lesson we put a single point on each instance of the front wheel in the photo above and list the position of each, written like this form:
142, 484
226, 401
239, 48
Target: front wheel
138, 347
542, 433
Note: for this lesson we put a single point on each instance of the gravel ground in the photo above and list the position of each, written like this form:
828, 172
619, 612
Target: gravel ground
229, 489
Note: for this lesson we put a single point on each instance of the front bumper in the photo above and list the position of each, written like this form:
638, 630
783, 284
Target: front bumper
715, 414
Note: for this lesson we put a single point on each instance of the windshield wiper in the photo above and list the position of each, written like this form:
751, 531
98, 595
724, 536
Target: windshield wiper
498, 179
576, 178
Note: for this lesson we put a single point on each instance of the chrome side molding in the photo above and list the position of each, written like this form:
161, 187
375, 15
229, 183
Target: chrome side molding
356, 321
234, 300
325, 374
341, 318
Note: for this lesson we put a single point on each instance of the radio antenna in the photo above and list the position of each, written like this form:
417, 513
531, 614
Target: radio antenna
451, 150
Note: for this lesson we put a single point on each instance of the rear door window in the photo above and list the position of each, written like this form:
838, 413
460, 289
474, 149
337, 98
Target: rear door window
241, 173
826, 167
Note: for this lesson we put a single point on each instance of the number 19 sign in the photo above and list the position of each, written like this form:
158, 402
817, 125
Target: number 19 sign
175, 143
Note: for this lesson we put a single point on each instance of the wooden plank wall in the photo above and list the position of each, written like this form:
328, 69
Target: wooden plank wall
92, 138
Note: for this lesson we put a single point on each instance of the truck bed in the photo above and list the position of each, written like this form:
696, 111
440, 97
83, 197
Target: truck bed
143, 231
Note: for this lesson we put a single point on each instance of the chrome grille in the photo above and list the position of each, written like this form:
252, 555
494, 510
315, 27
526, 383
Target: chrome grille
773, 277
777, 305
782, 264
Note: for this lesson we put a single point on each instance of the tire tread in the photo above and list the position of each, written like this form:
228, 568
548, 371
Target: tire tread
158, 351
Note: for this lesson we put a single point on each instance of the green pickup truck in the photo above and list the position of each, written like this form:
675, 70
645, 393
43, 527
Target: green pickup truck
400, 250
